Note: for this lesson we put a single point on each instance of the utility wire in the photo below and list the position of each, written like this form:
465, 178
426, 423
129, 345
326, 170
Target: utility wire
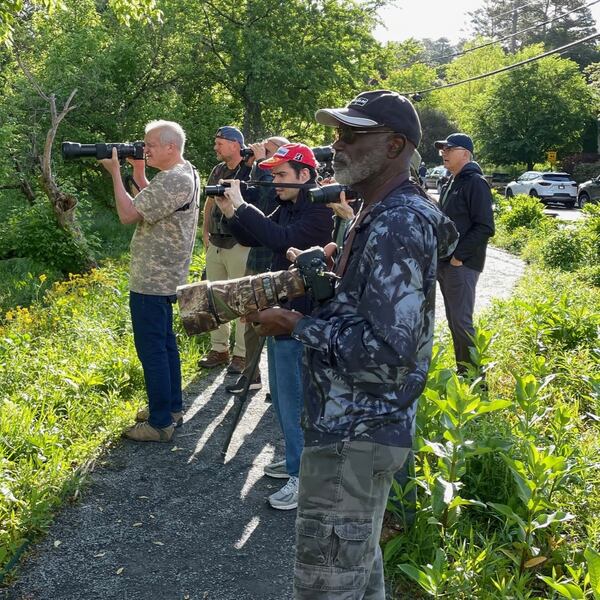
516, 8
506, 37
559, 50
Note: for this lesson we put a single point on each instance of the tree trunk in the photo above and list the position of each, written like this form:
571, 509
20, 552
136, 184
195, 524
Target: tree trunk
253, 126
63, 204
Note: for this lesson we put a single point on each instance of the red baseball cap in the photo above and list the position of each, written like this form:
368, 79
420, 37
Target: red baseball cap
296, 152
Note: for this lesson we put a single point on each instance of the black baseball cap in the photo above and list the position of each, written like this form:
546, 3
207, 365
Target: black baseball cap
376, 108
456, 140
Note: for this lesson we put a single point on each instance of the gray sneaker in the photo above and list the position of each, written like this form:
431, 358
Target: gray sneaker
287, 497
277, 470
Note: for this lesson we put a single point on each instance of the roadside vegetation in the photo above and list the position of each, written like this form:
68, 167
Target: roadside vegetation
507, 468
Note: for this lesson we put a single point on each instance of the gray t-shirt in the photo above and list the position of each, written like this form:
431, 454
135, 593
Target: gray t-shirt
161, 247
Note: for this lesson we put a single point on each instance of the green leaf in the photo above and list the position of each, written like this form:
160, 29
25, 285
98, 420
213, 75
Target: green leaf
544, 520
566, 590
593, 563
419, 576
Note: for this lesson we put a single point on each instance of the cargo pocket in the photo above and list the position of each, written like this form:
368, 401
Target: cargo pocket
314, 541
352, 540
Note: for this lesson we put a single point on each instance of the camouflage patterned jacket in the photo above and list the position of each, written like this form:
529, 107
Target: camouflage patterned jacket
368, 349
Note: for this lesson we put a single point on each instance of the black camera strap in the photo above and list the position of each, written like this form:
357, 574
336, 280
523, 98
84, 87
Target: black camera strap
194, 193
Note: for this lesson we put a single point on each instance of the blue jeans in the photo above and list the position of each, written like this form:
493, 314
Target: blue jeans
156, 346
285, 384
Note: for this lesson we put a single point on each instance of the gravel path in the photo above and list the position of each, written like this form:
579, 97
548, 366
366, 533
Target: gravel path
173, 521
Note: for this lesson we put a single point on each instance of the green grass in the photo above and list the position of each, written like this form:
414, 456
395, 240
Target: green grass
70, 381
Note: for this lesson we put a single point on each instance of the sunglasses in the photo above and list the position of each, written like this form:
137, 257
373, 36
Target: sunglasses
347, 135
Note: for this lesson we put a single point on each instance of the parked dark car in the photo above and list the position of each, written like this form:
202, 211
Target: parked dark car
588, 191
498, 181
436, 177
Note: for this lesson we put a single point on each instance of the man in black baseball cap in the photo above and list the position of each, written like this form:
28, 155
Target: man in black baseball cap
466, 198
376, 109
456, 140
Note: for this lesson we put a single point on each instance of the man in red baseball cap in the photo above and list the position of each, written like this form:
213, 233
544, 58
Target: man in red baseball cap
298, 223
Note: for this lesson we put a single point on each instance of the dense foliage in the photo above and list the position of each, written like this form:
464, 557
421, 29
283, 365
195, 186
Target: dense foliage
507, 472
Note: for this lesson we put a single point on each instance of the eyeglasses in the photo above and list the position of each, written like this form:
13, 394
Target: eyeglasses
449, 148
347, 135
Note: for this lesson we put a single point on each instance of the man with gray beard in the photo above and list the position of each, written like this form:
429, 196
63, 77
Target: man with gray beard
366, 351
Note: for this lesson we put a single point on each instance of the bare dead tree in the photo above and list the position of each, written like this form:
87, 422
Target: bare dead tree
63, 204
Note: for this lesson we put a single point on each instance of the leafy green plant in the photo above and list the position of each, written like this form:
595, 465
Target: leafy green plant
522, 211
536, 478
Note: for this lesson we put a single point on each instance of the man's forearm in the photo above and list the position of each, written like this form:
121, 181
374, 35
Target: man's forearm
139, 176
124, 202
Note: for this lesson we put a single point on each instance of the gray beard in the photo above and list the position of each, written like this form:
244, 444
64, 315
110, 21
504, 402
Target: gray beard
351, 173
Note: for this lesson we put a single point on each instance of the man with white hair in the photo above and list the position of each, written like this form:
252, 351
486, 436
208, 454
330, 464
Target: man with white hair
466, 198
165, 211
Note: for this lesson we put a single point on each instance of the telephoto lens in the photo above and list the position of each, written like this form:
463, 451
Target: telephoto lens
219, 189
133, 150
330, 194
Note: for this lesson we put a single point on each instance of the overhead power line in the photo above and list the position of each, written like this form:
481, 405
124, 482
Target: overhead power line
516, 8
559, 50
507, 37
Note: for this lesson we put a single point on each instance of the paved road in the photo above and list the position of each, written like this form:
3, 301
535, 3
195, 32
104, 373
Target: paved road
175, 522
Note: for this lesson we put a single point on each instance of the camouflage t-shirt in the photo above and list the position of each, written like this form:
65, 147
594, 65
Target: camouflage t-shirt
162, 244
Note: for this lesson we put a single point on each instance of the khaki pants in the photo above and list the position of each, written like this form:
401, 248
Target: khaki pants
342, 497
222, 264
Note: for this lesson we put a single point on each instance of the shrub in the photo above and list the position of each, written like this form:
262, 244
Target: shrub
523, 211
585, 171
33, 233
565, 249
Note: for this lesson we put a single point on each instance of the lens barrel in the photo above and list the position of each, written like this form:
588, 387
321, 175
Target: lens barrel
330, 194
99, 151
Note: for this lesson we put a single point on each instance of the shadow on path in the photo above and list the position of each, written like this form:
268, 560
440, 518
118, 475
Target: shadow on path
172, 521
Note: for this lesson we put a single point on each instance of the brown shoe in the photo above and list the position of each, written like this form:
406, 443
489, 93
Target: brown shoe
143, 414
237, 365
144, 432
214, 359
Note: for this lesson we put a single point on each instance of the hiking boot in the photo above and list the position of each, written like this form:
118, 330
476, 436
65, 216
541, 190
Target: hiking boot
144, 432
276, 470
287, 497
143, 414
214, 359
238, 386
237, 365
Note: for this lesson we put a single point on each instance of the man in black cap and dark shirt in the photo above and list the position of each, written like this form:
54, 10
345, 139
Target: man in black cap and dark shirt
466, 198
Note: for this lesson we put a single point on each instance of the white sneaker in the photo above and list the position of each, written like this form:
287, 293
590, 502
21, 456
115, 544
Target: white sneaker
287, 497
277, 470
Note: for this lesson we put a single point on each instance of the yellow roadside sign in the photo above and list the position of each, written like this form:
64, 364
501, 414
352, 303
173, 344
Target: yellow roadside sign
551, 156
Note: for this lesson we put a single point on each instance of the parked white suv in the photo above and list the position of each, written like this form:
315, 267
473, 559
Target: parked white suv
548, 187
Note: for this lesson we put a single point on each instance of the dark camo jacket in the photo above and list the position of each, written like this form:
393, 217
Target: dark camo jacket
367, 351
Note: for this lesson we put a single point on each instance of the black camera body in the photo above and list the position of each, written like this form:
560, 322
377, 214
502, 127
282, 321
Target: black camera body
246, 153
313, 269
323, 154
125, 150
330, 194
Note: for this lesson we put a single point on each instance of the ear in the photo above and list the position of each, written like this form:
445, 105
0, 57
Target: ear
396, 145
304, 175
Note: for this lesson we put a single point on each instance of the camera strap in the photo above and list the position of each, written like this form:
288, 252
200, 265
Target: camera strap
194, 196
342, 263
